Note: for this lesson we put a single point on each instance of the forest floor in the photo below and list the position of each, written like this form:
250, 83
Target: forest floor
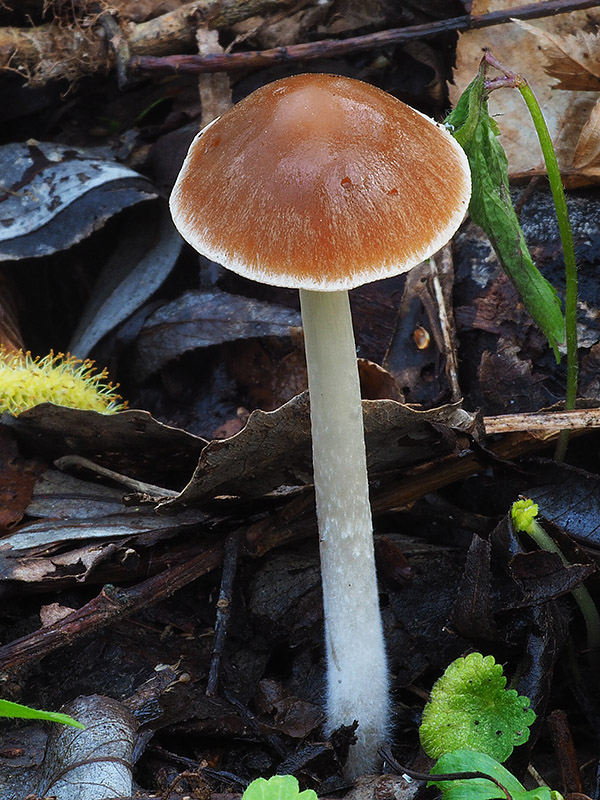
190, 625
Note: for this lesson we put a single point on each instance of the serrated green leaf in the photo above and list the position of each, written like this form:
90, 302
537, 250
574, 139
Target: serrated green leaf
491, 208
279, 787
470, 708
480, 788
18, 711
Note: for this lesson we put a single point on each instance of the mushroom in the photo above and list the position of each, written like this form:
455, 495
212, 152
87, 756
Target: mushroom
324, 183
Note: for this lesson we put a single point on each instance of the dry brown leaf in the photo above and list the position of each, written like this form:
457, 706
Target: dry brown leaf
574, 59
274, 448
587, 153
565, 111
214, 88
10, 332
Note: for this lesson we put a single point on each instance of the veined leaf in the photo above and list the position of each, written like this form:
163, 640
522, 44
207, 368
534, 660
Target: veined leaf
481, 788
491, 208
470, 708
279, 787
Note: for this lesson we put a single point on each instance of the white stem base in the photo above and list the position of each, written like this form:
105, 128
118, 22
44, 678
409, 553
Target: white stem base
357, 674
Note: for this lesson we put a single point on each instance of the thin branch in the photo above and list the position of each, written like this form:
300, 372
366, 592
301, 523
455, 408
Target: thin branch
87, 51
548, 422
230, 559
106, 608
330, 48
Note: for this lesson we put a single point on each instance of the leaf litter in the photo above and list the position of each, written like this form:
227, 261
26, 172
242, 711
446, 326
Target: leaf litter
457, 577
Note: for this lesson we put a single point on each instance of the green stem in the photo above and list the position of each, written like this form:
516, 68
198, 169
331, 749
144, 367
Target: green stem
581, 595
566, 237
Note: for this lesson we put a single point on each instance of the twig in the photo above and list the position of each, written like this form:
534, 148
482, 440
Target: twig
65, 463
446, 321
24, 50
111, 604
564, 750
329, 48
548, 422
230, 559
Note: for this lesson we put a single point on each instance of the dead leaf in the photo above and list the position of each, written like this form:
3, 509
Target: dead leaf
131, 438
274, 448
131, 522
374, 787
141, 261
565, 111
10, 332
93, 763
60, 496
54, 195
202, 319
54, 612
17, 481
570, 498
587, 152
573, 58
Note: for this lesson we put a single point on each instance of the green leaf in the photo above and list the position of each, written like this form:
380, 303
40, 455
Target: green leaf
480, 788
470, 708
279, 787
16, 710
491, 208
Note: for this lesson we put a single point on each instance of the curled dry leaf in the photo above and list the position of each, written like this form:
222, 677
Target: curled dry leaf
55, 195
274, 448
141, 261
131, 437
202, 319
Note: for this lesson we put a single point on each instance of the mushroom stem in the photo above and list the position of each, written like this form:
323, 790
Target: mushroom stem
357, 674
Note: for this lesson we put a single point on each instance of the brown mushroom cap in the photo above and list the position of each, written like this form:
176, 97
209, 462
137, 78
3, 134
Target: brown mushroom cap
321, 182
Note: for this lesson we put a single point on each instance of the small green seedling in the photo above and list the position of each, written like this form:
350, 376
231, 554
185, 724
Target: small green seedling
480, 788
523, 514
471, 709
18, 711
471, 724
279, 787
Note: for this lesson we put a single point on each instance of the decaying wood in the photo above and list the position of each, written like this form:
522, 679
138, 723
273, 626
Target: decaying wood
294, 522
111, 604
54, 51
446, 318
331, 48
547, 423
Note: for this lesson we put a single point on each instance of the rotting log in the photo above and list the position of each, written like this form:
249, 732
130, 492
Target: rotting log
59, 50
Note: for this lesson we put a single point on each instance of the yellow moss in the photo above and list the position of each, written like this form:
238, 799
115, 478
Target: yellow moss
58, 378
